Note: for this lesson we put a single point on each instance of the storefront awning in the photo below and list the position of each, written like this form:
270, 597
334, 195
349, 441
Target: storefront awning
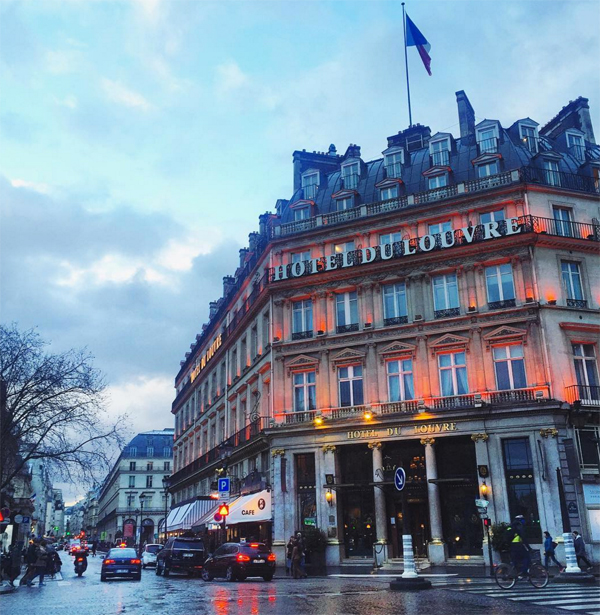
250, 508
175, 517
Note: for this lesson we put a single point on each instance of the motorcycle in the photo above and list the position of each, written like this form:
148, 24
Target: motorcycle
80, 562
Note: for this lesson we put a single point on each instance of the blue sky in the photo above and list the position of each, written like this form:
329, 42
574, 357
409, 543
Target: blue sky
141, 140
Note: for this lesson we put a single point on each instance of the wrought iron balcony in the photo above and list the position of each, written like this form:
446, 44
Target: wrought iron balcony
498, 305
347, 328
302, 335
584, 394
577, 303
397, 320
448, 313
571, 181
441, 158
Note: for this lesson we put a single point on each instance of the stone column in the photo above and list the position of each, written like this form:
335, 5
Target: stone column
436, 548
323, 386
418, 303
380, 508
477, 359
423, 387
372, 392
482, 457
328, 519
279, 504
331, 324
377, 306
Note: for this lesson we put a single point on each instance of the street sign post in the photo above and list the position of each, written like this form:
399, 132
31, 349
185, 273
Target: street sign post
18, 519
400, 478
224, 485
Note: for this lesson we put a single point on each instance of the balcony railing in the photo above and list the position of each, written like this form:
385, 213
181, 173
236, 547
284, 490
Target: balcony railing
499, 305
302, 335
346, 411
571, 181
341, 216
584, 394
488, 146
396, 320
435, 195
397, 407
351, 181
441, 158
347, 328
448, 313
564, 228
485, 183
577, 303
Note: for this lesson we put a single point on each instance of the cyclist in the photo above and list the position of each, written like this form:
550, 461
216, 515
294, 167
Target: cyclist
519, 547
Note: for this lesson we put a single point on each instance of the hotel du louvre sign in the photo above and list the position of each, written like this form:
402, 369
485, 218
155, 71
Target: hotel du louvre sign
406, 247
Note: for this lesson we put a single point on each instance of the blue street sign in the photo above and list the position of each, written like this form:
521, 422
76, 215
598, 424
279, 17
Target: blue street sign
223, 485
400, 478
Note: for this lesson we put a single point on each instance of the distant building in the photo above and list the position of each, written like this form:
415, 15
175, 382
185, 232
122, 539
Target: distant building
42, 497
435, 309
131, 501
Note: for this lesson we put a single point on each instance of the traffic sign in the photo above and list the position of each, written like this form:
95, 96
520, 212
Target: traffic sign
26, 520
481, 503
218, 518
400, 478
223, 510
18, 519
224, 485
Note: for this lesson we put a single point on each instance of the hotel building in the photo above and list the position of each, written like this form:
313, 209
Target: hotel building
436, 310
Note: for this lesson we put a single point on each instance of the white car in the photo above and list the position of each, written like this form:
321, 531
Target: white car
149, 554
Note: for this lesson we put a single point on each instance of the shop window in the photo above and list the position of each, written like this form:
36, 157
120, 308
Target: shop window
500, 286
453, 373
520, 485
306, 490
586, 371
350, 381
305, 396
394, 304
509, 366
400, 380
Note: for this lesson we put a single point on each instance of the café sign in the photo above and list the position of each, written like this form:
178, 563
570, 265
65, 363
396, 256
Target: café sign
406, 247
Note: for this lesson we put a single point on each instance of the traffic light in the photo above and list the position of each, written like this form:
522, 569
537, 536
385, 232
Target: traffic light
223, 510
4, 515
68, 533
487, 522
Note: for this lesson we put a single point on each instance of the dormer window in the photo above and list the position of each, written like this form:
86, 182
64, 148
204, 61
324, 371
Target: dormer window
437, 181
576, 146
393, 164
487, 140
551, 172
344, 203
391, 192
301, 213
440, 152
351, 175
487, 169
529, 137
310, 184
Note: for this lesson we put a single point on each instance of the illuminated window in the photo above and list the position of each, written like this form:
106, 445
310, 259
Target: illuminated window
350, 380
346, 305
305, 396
487, 169
510, 367
390, 192
571, 276
400, 380
491, 216
438, 181
347, 246
453, 374
529, 137
499, 283
563, 218
302, 316
394, 303
301, 213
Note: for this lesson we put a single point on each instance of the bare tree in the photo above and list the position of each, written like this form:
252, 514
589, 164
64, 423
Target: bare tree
52, 408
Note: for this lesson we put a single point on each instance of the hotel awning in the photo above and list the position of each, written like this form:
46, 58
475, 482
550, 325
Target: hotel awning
251, 508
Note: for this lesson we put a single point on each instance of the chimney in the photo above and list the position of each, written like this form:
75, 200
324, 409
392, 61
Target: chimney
243, 254
353, 151
574, 115
466, 115
332, 151
252, 241
228, 284
213, 306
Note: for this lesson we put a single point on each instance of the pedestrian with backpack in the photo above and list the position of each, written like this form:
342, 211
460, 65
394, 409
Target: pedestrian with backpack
549, 552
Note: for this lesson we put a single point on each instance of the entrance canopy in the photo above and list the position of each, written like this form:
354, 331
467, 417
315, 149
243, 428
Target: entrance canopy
250, 508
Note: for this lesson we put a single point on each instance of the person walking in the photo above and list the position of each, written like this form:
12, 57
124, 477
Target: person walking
288, 556
30, 559
300, 541
549, 547
94, 547
580, 550
40, 564
296, 558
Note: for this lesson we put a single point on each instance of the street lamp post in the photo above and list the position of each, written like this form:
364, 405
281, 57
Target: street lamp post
137, 512
165, 482
142, 499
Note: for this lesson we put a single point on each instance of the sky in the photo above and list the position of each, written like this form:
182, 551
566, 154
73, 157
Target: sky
140, 141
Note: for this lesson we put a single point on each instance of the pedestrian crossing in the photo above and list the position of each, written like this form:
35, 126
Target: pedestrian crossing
583, 599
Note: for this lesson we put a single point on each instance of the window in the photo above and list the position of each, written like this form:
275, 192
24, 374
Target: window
310, 185
453, 374
400, 380
520, 484
445, 295
588, 441
394, 304
438, 181
491, 216
343, 204
440, 152
166, 451
305, 396
551, 173
487, 140
301, 213
148, 481
562, 221
132, 466
167, 465
302, 319
393, 164
253, 344
351, 385
150, 451
351, 175
306, 499
440, 227
576, 146
529, 137
487, 169
390, 238
347, 311
148, 503
500, 286
132, 482
133, 451
339, 248
149, 466
586, 371
571, 276
391, 192
510, 367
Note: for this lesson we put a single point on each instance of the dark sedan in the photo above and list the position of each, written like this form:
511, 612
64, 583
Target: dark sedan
238, 561
121, 563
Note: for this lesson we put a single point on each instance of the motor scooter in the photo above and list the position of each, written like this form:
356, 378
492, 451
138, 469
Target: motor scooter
80, 562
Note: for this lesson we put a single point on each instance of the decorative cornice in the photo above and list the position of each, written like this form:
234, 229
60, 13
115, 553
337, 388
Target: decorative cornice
373, 445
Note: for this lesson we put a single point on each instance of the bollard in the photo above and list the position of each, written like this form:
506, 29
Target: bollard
410, 569
570, 554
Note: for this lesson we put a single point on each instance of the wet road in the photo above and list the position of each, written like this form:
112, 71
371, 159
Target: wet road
182, 595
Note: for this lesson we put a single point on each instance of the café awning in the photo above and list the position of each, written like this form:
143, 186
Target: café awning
251, 508
175, 517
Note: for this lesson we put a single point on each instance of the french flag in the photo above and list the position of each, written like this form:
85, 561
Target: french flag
414, 38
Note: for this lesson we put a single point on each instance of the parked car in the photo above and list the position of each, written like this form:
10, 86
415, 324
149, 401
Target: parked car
149, 554
181, 555
237, 561
121, 563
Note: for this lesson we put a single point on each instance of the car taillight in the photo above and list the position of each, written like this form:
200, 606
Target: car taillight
254, 544
271, 557
242, 558
108, 561
80, 559
135, 561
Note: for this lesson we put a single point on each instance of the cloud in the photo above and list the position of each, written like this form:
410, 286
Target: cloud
121, 94
230, 78
36, 186
62, 62
70, 102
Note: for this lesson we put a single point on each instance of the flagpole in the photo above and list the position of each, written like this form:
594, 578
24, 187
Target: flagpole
406, 64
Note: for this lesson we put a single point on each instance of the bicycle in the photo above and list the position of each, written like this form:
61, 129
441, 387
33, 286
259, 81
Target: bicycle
507, 575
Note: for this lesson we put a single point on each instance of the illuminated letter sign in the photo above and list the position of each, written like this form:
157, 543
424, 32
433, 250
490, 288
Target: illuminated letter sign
206, 357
